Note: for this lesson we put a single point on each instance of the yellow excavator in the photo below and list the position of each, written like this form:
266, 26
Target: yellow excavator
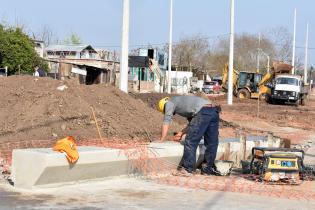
247, 84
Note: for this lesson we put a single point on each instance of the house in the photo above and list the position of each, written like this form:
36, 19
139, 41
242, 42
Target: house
71, 51
158, 55
148, 72
82, 62
39, 47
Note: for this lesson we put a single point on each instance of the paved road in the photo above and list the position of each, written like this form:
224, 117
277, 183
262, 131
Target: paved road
138, 194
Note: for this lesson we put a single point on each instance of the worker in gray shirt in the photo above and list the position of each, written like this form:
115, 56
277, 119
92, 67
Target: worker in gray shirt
203, 119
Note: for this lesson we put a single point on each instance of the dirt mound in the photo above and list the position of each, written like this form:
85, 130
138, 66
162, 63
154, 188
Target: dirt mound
35, 109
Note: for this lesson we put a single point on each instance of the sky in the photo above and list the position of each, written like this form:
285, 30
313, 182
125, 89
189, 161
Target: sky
98, 22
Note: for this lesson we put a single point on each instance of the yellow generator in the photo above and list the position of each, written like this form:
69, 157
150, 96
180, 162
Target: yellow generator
278, 165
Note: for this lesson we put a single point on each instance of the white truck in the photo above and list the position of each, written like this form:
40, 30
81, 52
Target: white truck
289, 88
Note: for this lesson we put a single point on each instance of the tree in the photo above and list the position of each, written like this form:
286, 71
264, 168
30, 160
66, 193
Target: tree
215, 62
17, 51
281, 39
190, 53
73, 39
246, 48
46, 35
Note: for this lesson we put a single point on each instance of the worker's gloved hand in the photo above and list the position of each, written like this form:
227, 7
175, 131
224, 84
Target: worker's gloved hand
177, 136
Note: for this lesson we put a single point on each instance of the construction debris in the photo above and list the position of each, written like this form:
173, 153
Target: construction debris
62, 87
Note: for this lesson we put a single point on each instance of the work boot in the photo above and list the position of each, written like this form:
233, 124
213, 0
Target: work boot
182, 172
211, 172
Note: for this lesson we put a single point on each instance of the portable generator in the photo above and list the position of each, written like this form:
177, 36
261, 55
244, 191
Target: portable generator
277, 165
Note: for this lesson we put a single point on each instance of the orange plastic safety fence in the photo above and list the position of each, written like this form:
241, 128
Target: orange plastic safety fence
145, 161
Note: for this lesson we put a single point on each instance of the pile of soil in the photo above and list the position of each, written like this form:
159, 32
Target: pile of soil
152, 99
34, 109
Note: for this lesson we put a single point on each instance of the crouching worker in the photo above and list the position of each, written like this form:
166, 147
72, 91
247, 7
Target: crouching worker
203, 118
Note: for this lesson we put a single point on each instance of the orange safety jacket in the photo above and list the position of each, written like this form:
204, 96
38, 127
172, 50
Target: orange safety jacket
68, 146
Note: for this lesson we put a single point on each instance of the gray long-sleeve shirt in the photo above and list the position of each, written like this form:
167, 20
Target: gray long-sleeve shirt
185, 106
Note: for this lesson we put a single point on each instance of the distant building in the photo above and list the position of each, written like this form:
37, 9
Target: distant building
106, 55
148, 72
71, 52
181, 81
39, 47
158, 55
90, 66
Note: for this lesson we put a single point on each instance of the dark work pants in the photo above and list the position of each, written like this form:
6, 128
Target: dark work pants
204, 123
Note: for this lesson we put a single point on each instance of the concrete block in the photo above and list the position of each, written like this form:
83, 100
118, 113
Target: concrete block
39, 167
32, 167
36, 167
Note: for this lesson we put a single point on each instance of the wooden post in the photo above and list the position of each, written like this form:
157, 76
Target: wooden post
257, 143
140, 77
227, 151
140, 73
97, 127
243, 144
242, 151
258, 105
102, 76
146, 74
270, 140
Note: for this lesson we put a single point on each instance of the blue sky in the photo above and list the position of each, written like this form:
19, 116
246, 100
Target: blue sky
98, 22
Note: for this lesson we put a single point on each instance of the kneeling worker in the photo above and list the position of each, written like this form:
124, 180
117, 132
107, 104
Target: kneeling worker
203, 119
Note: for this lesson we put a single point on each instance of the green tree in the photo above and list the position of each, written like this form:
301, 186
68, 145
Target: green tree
73, 39
17, 51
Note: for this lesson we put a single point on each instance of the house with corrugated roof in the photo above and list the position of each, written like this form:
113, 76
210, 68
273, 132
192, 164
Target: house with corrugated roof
82, 62
71, 51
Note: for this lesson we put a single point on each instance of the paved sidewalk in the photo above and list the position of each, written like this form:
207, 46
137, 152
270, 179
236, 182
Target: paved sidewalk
138, 194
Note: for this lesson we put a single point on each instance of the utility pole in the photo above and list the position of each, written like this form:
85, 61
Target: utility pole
306, 55
293, 44
268, 59
170, 49
258, 54
124, 48
231, 56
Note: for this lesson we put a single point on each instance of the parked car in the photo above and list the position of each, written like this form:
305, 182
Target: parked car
194, 90
211, 87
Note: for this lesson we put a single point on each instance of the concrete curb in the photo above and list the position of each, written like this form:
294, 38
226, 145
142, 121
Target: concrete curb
40, 167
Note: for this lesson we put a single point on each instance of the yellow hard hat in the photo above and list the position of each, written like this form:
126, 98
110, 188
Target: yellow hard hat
162, 104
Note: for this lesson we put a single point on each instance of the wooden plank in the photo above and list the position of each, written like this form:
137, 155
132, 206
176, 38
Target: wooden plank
227, 151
